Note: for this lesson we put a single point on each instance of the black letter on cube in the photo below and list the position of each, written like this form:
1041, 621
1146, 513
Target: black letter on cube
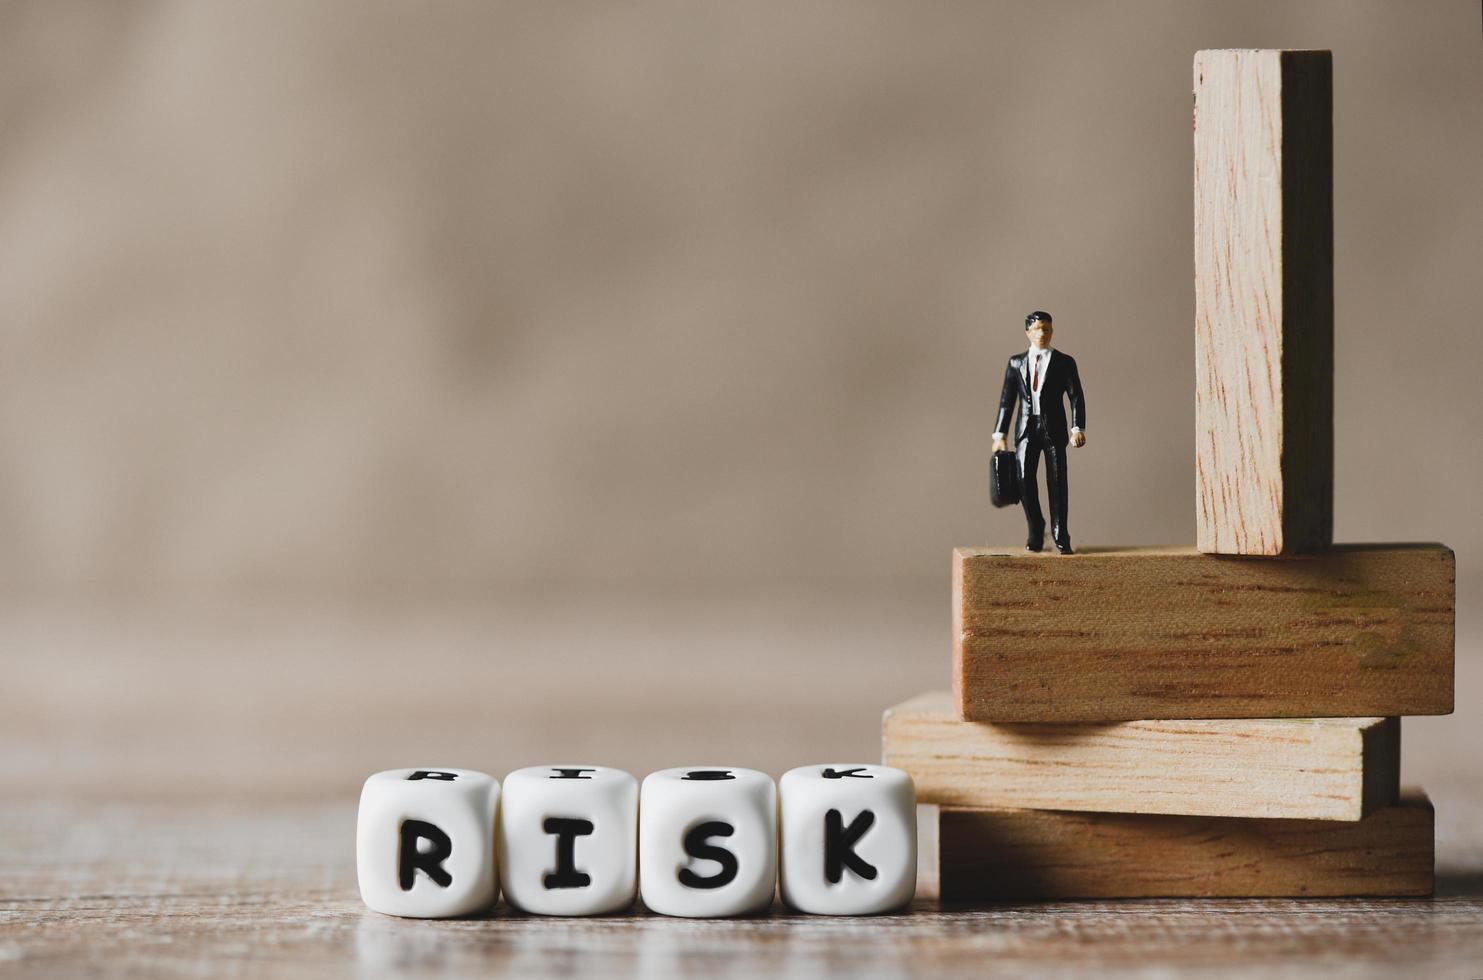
411, 860
839, 842
570, 774
567, 830
446, 777
706, 775
696, 847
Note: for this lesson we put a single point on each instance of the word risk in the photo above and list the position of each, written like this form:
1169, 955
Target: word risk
588, 840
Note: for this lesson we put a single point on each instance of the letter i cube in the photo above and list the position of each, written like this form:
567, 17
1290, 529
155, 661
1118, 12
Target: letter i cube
568, 839
424, 842
849, 839
708, 841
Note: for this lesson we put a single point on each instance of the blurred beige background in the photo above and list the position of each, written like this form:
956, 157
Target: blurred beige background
440, 297
405, 306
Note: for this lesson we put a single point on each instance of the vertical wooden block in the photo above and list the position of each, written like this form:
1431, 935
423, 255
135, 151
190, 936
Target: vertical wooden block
1264, 301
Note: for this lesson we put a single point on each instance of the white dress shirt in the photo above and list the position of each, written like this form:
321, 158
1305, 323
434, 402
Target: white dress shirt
1034, 382
1036, 361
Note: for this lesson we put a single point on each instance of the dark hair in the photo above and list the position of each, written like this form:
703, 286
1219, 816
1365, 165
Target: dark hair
1037, 315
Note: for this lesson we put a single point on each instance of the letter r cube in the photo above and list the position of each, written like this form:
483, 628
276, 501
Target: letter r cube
424, 842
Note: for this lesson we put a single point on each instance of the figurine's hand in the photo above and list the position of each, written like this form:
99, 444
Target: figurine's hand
1001, 445
1078, 439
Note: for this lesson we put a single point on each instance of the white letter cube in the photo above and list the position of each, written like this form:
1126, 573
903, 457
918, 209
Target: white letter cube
424, 842
849, 842
708, 841
568, 840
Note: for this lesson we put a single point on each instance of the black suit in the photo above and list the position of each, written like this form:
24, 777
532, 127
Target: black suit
1045, 434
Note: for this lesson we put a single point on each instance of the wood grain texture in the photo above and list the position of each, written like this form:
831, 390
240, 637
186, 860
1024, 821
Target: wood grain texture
173, 808
1357, 631
1264, 301
1023, 854
245, 890
1315, 769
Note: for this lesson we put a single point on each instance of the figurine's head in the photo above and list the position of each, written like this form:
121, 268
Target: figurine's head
1038, 329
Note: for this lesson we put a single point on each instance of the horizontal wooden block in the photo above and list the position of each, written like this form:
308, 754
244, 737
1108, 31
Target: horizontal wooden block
1012, 855
1357, 631
1310, 768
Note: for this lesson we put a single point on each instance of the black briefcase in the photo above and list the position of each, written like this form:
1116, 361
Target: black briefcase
1004, 479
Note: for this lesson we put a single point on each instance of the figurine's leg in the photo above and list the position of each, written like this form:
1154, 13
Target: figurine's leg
1029, 458
1055, 479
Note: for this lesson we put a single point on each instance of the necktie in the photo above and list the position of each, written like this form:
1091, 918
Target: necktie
1035, 380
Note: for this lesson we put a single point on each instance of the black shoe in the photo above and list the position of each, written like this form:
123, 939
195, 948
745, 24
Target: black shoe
1064, 549
1036, 540
1034, 546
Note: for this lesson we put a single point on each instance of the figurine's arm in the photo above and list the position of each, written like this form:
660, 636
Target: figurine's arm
1078, 406
1008, 398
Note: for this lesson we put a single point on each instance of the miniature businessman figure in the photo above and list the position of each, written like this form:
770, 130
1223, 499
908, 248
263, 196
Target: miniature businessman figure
1038, 380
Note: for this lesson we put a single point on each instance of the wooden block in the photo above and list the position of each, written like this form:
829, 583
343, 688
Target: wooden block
1357, 631
1010, 855
1264, 301
1310, 768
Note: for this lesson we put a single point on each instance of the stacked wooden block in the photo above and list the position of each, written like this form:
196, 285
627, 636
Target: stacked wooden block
1219, 720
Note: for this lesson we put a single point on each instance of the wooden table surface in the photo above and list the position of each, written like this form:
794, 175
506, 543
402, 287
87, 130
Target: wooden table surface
179, 788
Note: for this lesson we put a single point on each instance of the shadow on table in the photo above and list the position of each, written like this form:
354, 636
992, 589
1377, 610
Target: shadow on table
1460, 883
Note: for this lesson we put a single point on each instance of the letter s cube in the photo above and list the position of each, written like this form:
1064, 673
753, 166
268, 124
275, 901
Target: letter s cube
849, 840
708, 841
424, 842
